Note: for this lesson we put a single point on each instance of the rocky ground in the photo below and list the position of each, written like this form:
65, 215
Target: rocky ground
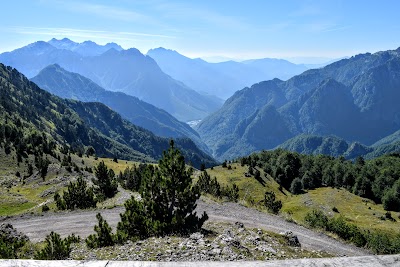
217, 242
81, 222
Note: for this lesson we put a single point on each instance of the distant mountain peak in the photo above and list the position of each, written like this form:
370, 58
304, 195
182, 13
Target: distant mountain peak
89, 42
133, 52
86, 48
113, 45
161, 51
38, 47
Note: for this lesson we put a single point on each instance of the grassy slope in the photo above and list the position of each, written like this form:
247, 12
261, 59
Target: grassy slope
18, 198
354, 208
363, 212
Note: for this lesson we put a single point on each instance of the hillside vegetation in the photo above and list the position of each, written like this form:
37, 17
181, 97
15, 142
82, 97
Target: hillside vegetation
351, 99
356, 201
65, 84
31, 117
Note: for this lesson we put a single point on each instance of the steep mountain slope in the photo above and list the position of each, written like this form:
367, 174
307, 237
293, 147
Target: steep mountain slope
62, 83
126, 71
221, 79
353, 99
80, 124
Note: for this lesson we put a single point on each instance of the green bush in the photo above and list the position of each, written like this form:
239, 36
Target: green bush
7, 251
209, 186
296, 186
379, 243
231, 192
271, 203
55, 248
45, 208
10, 241
316, 219
77, 196
346, 231
103, 236
106, 184
391, 199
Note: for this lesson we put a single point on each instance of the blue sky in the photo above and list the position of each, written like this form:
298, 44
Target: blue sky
208, 28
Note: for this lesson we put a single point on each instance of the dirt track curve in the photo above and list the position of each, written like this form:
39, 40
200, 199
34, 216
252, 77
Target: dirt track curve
82, 222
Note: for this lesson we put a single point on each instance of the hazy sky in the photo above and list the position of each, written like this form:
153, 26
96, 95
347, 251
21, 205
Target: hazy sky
206, 28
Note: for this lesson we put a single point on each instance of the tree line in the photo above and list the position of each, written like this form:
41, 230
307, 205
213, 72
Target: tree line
377, 179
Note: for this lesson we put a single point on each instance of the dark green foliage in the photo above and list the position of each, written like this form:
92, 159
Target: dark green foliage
346, 231
45, 208
379, 242
316, 219
202, 167
77, 196
90, 151
56, 248
30, 169
103, 236
10, 241
377, 179
135, 222
231, 192
224, 165
42, 165
391, 199
131, 178
296, 187
168, 201
105, 181
209, 185
287, 168
7, 251
73, 239
271, 203
27, 113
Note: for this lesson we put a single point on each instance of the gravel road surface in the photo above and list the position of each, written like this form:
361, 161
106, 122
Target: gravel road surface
82, 222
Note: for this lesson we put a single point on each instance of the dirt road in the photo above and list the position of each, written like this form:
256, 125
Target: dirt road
82, 222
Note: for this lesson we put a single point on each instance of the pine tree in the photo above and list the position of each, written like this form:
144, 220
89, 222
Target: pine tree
56, 248
103, 236
271, 203
78, 195
168, 201
105, 182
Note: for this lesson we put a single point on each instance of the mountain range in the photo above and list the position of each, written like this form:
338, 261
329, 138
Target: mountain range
127, 71
65, 84
26, 109
224, 78
346, 108
353, 99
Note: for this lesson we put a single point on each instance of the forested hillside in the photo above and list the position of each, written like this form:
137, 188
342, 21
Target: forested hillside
33, 118
377, 179
352, 99
65, 84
